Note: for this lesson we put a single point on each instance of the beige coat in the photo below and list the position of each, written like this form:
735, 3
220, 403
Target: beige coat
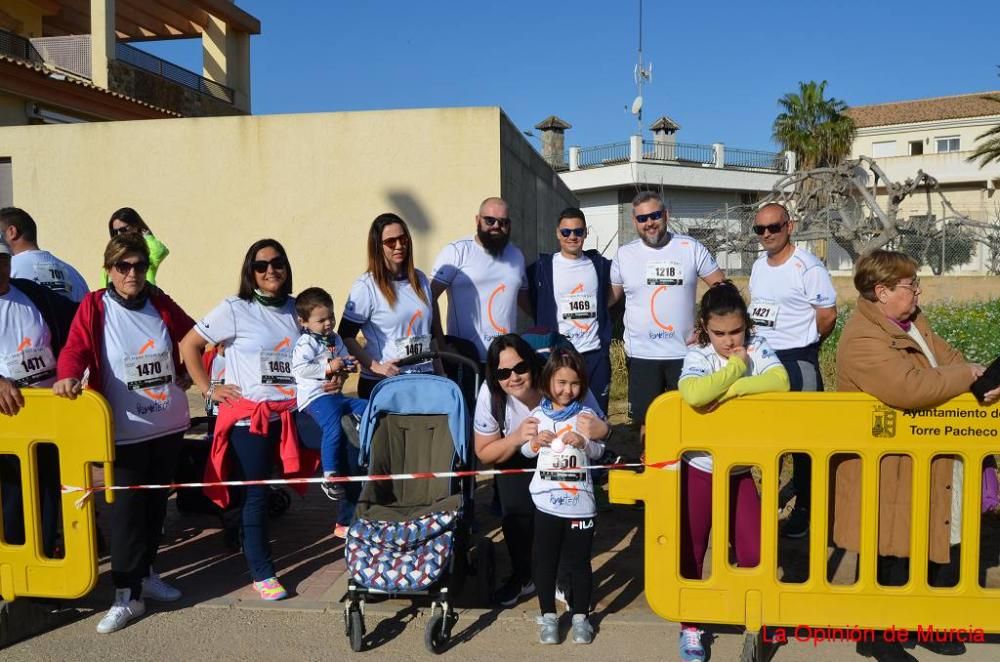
876, 357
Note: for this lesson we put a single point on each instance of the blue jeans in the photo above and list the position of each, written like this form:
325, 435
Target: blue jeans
254, 460
336, 456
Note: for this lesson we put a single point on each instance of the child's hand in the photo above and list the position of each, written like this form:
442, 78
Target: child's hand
741, 354
573, 439
336, 364
350, 364
543, 438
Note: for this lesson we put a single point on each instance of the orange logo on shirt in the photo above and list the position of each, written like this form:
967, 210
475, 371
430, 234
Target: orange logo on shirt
24, 344
652, 309
489, 309
413, 320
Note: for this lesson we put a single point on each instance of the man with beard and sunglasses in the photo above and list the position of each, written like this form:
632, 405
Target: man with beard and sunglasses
569, 294
658, 275
794, 306
485, 279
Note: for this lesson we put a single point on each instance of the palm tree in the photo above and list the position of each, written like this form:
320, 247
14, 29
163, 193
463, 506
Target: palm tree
813, 127
989, 149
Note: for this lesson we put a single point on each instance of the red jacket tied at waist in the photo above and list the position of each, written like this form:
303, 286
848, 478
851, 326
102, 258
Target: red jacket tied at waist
296, 462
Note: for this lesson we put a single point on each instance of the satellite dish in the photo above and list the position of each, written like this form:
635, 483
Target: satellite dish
637, 105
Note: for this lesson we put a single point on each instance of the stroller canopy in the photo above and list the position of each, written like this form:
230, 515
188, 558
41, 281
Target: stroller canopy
416, 394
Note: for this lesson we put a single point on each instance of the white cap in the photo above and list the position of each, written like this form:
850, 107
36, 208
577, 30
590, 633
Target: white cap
4, 248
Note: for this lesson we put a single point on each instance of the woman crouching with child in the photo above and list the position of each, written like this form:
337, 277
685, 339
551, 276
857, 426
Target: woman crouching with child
728, 361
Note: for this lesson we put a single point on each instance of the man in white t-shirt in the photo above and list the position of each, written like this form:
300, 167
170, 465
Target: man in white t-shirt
485, 279
569, 294
794, 306
31, 263
658, 275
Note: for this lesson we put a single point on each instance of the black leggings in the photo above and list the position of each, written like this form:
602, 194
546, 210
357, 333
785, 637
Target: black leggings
518, 521
570, 541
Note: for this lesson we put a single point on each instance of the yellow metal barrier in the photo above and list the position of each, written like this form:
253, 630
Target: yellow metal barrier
81, 430
758, 430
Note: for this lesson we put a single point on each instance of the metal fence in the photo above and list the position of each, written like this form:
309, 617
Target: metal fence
610, 154
18, 47
70, 53
172, 72
679, 153
751, 159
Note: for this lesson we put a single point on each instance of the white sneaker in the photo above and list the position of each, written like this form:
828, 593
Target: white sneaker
156, 589
122, 611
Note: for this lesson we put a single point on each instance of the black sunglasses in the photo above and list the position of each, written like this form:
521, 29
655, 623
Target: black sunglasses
120, 230
277, 263
651, 216
505, 373
494, 220
576, 232
392, 242
124, 266
773, 228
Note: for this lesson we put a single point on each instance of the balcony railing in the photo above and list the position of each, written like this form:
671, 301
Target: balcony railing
601, 155
170, 71
685, 153
750, 159
18, 47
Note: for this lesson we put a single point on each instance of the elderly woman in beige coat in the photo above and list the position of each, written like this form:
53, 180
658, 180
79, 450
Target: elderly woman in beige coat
889, 351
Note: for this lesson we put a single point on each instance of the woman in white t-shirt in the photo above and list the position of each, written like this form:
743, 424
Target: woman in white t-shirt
390, 304
503, 422
123, 344
257, 399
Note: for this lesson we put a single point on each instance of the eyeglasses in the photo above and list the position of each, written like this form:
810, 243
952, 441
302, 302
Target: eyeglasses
494, 220
399, 240
576, 232
277, 263
773, 228
120, 230
124, 266
913, 286
651, 216
504, 374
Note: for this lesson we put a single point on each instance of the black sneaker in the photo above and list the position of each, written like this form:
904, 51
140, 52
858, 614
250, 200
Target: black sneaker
884, 651
797, 524
511, 593
944, 647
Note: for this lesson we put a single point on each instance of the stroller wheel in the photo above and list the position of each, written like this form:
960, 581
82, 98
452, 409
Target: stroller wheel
485, 571
355, 629
278, 501
438, 634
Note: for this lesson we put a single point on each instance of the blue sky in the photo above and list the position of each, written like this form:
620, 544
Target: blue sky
718, 67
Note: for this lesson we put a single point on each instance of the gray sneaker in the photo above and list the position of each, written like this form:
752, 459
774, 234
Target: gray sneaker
583, 631
548, 629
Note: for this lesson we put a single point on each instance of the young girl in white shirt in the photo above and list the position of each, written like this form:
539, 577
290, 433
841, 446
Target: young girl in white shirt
728, 361
563, 494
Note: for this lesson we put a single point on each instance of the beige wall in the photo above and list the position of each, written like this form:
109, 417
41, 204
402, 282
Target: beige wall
12, 110
966, 130
208, 187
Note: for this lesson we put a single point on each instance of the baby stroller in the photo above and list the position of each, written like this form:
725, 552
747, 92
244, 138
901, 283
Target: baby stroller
411, 537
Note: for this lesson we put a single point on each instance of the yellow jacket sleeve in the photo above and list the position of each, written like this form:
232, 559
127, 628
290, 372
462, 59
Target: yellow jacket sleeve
699, 391
774, 380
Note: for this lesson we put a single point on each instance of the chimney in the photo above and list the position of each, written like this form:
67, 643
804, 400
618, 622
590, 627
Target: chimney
553, 140
664, 130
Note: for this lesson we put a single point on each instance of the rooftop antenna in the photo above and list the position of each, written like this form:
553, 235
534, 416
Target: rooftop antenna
642, 74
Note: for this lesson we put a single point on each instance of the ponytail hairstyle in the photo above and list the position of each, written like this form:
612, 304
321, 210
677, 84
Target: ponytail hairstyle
722, 298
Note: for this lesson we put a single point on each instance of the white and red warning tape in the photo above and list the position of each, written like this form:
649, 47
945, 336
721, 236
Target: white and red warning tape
89, 491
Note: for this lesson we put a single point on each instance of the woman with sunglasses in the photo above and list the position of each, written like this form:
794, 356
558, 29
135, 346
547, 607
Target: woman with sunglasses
390, 304
258, 328
503, 423
127, 220
123, 343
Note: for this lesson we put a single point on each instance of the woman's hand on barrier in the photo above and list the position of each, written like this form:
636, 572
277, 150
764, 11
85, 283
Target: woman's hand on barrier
68, 388
991, 396
223, 393
11, 399
387, 369
526, 430
573, 439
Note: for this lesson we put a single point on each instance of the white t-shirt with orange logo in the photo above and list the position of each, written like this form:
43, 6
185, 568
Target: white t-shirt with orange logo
259, 341
137, 368
482, 290
660, 288
26, 356
574, 284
